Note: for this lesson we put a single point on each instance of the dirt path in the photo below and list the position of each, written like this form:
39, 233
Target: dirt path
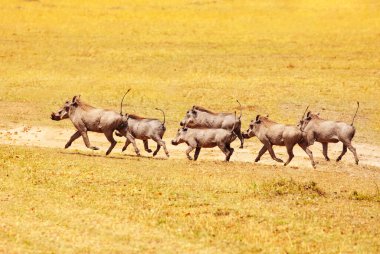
57, 138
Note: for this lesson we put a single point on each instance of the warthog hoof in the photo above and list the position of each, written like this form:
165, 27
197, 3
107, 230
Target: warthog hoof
148, 150
241, 147
168, 155
94, 148
67, 145
338, 159
357, 162
123, 149
279, 160
327, 159
189, 157
257, 159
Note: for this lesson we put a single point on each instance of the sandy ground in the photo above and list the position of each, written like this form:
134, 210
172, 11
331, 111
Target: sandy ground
57, 138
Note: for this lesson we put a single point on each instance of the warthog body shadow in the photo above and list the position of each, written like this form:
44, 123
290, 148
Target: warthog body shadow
271, 133
88, 118
325, 131
144, 129
199, 117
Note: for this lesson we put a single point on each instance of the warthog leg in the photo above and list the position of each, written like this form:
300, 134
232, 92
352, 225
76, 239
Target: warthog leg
343, 153
130, 139
109, 136
261, 152
325, 146
146, 147
188, 151
87, 141
157, 149
231, 151
308, 152
353, 150
161, 143
224, 150
75, 136
196, 154
289, 149
347, 144
240, 137
272, 154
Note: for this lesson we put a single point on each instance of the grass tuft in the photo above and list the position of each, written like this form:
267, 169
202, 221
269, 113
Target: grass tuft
280, 187
355, 195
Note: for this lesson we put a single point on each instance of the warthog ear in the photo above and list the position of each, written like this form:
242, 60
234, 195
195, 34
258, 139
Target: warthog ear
257, 117
267, 116
258, 121
308, 114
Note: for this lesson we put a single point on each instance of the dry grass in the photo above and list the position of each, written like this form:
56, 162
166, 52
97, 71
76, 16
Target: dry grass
275, 57
54, 201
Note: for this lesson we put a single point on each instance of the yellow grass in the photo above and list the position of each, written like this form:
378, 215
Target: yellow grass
276, 57
55, 201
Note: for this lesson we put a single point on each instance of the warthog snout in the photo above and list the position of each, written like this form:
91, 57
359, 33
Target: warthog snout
245, 135
174, 142
55, 117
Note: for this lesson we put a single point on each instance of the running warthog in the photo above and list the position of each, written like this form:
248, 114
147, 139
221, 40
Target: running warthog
326, 131
271, 133
205, 138
199, 117
144, 129
88, 118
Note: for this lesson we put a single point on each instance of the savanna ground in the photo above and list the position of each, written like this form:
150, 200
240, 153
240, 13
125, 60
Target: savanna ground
276, 57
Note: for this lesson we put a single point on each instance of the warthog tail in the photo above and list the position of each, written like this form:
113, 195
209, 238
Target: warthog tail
121, 103
352, 124
163, 123
241, 112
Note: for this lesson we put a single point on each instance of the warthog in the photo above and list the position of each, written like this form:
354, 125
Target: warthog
144, 129
199, 117
88, 118
206, 138
271, 133
326, 131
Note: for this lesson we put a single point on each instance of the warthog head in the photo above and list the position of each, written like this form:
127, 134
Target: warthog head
189, 117
180, 137
122, 129
305, 121
62, 113
254, 126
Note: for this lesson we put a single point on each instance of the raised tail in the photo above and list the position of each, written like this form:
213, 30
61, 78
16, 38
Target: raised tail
241, 112
163, 123
121, 103
352, 124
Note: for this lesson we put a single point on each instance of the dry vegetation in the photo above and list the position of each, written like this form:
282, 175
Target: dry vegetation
55, 201
275, 57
